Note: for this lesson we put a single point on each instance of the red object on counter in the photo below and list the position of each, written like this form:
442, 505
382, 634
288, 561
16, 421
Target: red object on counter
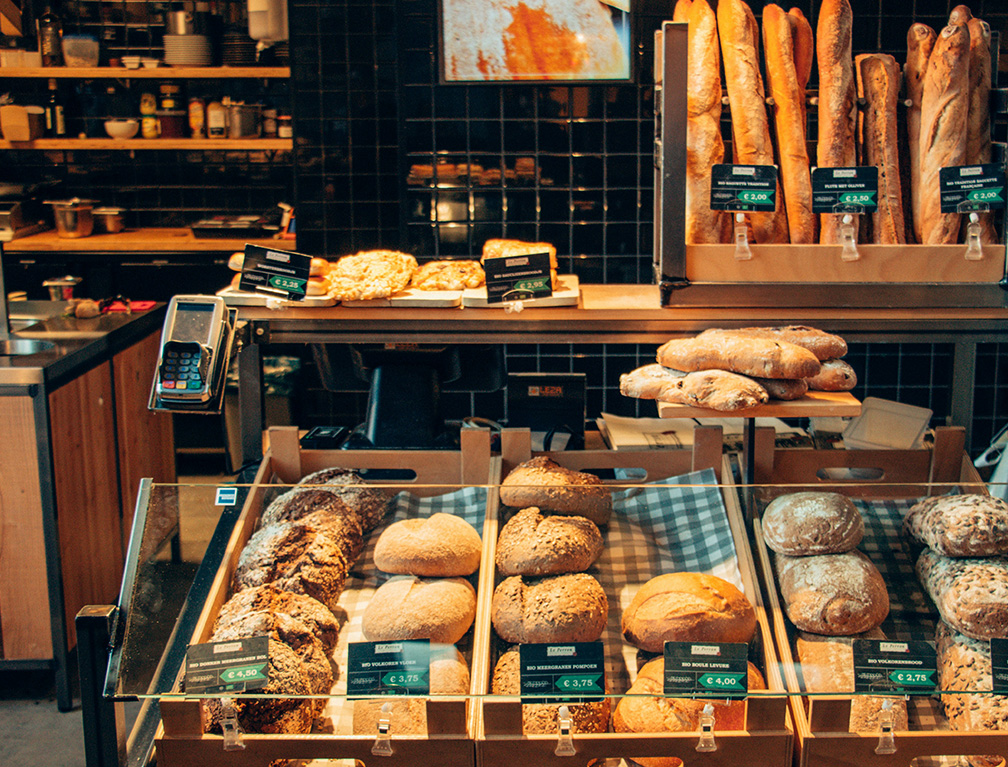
134, 306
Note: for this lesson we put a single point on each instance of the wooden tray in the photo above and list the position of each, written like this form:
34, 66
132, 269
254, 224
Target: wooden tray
568, 294
411, 298
234, 297
813, 405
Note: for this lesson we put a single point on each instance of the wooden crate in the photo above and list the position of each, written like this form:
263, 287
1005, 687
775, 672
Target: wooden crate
821, 722
768, 737
181, 742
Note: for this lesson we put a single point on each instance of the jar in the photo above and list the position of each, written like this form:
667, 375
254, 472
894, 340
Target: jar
172, 123
168, 96
269, 122
149, 126
197, 118
216, 120
285, 126
148, 104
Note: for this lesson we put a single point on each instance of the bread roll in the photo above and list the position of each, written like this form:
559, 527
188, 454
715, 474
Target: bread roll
834, 375
966, 525
533, 544
544, 483
823, 345
971, 594
236, 261
789, 124
749, 122
832, 594
704, 147
878, 83
560, 608
978, 125
687, 607
920, 42
738, 353
944, 113
837, 101
812, 522
439, 546
714, 389
407, 607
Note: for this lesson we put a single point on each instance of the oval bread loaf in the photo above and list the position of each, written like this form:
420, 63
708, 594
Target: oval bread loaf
441, 545
750, 355
533, 544
971, 594
800, 524
834, 375
545, 484
967, 525
687, 607
561, 608
407, 607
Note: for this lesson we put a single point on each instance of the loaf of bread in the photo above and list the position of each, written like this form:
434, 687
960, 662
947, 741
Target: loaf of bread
832, 594
370, 503
812, 522
497, 248
541, 718
837, 100
560, 608
878, 84
834, 375
704, 146
803, 48
738, 353
440, 546
714, 389
687, 607
533, 544
750, 125
920, 42
323, 509
268, 598
783, 388
407, 607
978, 125
944, 111
681, 11
789, 124
962, 525
545, 484
961, 14
971, 594
823, 345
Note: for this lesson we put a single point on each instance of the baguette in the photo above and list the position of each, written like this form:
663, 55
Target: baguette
738, 353
803, 46
788, 125
944, 110
714, 389
878, 83
823, 345
920, 42
704, 147
682, 9
978, 125
750, 126
971, 594
834, 375
961, 14
837, 101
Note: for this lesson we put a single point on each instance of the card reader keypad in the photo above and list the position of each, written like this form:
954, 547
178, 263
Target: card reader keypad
182, 367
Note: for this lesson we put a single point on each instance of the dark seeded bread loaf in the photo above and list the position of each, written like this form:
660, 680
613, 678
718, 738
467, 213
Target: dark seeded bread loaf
560, 608
269, 598
543, 483
971, 594
533, 544
967, 525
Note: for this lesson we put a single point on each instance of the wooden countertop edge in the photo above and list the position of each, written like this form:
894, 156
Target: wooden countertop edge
154, 240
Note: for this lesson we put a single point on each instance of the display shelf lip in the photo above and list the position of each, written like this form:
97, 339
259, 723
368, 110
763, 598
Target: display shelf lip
157, 73
223, 144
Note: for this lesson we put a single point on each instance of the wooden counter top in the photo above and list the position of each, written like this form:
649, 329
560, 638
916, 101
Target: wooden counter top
155, 240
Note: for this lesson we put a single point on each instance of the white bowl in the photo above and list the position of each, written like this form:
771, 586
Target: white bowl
150, 63
122, 127
131, 62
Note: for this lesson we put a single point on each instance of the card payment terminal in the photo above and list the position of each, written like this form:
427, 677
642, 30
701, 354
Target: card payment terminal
191, 349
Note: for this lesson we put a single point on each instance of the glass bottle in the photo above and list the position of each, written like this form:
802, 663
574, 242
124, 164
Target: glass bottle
55, 113
50, 35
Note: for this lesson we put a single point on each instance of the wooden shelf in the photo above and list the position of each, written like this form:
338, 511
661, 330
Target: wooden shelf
224, 144
158, 73
149, 241
814, 404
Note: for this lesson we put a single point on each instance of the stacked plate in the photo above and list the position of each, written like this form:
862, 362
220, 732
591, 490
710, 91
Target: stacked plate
237, 48
188, 50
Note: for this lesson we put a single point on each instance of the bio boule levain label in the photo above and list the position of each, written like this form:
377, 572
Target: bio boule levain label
715, 669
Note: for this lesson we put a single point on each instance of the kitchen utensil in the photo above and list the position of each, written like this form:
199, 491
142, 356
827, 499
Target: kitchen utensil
109, 220
73, 217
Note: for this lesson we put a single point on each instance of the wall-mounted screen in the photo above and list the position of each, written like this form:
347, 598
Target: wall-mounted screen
535, 40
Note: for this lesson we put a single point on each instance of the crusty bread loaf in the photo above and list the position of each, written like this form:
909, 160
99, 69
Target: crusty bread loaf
497, 247
832, 594
971, 594
544, 483
920, 42
961, 14
559, 608
440, 546
738, 353
687, 607
681, 11
541, 718
812, 522
962, 525
407, 607
269, 598
803, 48
978, 124
370, 503
321, 508
750, 124
834, 375
878, 83
783, 388
823, 345
533, 544
837, 100
944, 111
789, 124
714, 389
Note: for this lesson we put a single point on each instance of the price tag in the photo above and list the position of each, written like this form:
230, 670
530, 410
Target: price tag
693, 668
903, 667
238, 666
966, 188
572, 672
518, 278
999, 664
388, 668
277, 272
845, 190
740, 188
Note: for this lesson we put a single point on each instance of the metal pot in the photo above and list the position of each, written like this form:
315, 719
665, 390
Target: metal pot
73, 217
109, 219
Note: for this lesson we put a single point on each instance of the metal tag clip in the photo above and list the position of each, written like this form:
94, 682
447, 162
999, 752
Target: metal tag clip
565, 744
230, 727
742, 250
383, 742
706, 742
886, 741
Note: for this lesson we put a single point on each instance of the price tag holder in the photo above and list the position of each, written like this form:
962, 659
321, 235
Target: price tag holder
517, 278
695, 668
388, 668
966, 188
238, 666
845, 190
280, 273
741, 188
999, 664
882, 666
575, 673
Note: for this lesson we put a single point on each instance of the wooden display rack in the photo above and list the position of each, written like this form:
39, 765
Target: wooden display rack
821, 722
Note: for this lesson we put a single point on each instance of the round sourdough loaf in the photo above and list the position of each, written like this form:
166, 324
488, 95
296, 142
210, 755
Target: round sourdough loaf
407, 607
543, 483
533, 544
799, 524
561, 608
687, 607
441, 545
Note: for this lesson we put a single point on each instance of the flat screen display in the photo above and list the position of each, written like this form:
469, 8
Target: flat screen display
535, 40
192, 323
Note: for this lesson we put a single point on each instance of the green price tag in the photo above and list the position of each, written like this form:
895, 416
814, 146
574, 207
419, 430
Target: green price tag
857, 198
540, 283
404, 679
288, 283
753, 196
912, 678
576, 683
985, 195
243, 674
722, 682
